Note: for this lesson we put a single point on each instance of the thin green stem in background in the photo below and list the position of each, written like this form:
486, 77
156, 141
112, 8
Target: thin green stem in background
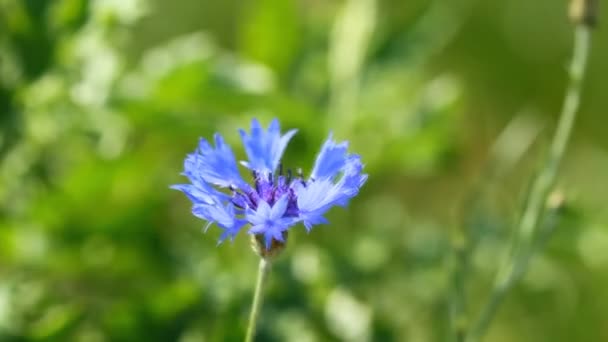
257, 299
458, 297
466, 239
523, 245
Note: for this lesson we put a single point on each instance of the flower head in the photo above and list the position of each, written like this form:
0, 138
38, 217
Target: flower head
277, 200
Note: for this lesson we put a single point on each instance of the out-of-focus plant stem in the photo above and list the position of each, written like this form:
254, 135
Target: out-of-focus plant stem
503, 158
349, 44
523, 247
458, 297
257, 298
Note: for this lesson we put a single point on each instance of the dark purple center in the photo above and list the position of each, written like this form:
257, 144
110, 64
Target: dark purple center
269, 188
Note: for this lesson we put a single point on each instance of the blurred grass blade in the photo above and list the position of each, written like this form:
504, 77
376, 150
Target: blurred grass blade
349, 43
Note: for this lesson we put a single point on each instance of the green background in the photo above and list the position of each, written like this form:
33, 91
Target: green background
450, 103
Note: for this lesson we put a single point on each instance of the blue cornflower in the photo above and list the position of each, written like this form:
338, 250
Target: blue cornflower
276, 201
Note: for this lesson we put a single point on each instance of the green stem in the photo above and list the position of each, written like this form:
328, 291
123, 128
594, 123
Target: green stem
458, 300
257, 298
523, 245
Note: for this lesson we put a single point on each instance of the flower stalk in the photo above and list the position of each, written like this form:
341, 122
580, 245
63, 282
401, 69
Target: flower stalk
525, 244
258, 297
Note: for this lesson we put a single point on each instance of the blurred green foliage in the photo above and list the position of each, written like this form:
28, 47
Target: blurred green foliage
449, 103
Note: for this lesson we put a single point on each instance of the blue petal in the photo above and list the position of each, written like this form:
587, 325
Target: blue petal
317, 197
312, 220
352, 179
265, 148
278, 209
223, 216
201, 193
260, 215
214, 165
330, 160
269, 234
270, 221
